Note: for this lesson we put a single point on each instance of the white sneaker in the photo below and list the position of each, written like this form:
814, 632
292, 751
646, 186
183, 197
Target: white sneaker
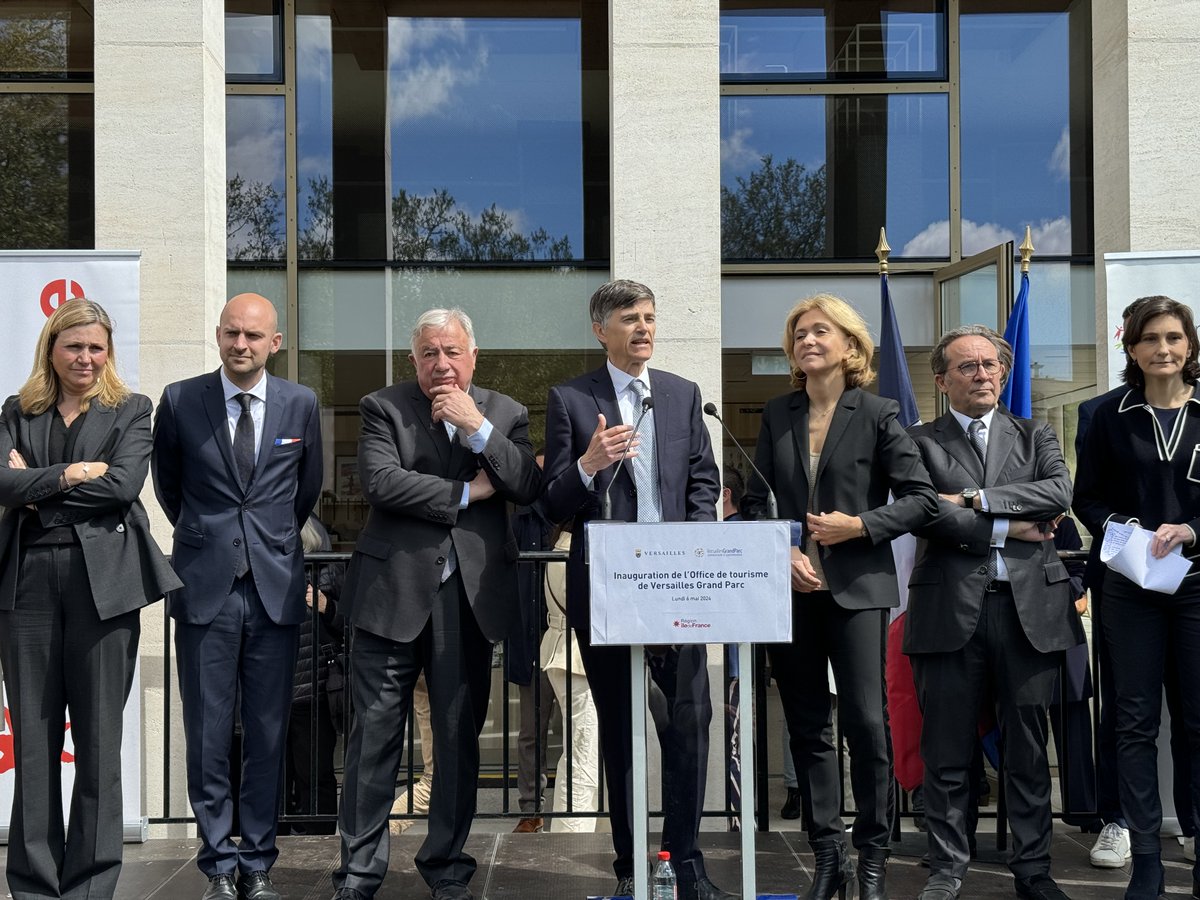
1111, 850
1189, 849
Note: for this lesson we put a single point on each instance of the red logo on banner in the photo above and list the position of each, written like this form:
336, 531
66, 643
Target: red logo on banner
58, 292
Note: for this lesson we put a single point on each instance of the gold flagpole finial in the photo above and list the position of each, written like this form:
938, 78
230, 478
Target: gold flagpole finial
1026, 249
882, 250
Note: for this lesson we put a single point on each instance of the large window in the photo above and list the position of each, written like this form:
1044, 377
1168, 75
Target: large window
1026, 154
47, 143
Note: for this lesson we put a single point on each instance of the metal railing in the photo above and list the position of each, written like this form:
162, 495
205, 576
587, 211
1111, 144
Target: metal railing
503, 772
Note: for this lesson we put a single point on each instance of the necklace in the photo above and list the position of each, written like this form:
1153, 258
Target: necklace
820, 414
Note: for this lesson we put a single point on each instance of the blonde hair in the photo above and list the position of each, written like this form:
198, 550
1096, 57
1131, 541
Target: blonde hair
41, 390
856, 366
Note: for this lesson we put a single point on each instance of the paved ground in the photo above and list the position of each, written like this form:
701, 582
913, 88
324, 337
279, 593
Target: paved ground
563, 867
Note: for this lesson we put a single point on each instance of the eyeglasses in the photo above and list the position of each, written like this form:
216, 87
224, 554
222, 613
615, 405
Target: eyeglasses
969, 369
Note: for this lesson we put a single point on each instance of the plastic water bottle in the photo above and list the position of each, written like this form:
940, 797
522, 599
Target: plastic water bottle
663, 885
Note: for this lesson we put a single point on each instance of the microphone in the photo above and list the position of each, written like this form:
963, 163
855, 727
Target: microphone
710, 409
606, 499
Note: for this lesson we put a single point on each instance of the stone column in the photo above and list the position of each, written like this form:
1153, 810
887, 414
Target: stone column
1147, 196
160, 189
666, 226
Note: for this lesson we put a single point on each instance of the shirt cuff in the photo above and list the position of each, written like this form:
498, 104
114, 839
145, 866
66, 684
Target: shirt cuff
999, 532
479, 439
466, 497
584, 476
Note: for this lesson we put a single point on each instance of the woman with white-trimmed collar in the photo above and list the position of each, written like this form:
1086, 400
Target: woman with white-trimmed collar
1141, 466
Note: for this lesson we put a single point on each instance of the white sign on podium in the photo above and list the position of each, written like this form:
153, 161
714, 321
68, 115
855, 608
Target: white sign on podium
690, 582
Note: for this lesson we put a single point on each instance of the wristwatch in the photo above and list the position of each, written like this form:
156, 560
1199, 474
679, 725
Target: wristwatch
969, 495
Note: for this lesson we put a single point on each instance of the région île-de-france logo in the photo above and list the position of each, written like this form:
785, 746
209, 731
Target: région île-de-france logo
58, 292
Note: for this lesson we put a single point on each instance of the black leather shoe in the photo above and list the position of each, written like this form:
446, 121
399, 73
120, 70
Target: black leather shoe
791, 806
940, 886
1040, 887
220, 887
348, 894
256, 886
624, 887
703, 889
451, 890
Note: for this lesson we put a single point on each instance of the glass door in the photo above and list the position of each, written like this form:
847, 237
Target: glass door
977, 290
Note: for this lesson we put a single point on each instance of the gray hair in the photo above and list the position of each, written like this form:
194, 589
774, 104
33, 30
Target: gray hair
616, 295
439, 319
937, 358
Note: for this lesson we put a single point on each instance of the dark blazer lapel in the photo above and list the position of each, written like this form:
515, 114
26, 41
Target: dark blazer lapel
999, 446
94, 428
954, 440
39, 438
846, 405
214, 405
271, 425
799, 416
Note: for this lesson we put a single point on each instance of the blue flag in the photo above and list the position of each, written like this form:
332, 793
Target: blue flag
894, 382
1018, 392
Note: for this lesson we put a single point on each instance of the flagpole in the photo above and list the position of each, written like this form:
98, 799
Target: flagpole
882, 250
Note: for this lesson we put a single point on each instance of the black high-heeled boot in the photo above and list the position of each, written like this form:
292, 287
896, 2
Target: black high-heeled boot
1148, 880
834, 869
872, 868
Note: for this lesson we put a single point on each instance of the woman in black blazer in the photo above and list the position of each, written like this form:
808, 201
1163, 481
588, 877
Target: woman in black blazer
77, 563
1141, 464
832, 452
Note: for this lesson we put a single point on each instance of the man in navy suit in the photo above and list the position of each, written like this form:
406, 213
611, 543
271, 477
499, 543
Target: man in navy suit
237, 469
589, 425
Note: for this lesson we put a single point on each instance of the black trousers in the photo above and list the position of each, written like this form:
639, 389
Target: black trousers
456, 658
60, 657
303, 796
242, 654
1141, 629
854, 642
998, 661
682, 723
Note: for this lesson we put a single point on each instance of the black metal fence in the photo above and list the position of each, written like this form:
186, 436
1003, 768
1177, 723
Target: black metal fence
305, 814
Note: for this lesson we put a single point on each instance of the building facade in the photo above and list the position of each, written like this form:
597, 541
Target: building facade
358, 161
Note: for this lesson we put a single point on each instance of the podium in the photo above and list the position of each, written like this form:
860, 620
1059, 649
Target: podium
689, 583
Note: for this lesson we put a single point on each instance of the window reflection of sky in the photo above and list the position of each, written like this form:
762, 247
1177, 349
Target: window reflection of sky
917, 175
1015, 137
254, 150
783, 42
487, 109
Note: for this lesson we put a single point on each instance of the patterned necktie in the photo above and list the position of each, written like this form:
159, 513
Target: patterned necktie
243, 441
975, 434
645, 468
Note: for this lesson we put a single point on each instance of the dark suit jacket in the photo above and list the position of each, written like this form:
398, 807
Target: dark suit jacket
413, 477
1093, 576
125, 567
1026, 478
1130, 470
866, 454
688, 480
198, 487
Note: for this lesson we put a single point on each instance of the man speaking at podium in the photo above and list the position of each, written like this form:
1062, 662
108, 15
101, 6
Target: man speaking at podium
653, 418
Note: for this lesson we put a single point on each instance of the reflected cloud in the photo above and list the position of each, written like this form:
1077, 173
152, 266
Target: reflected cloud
428, 59
736, 152
1060, 159
254, 134
1051, 237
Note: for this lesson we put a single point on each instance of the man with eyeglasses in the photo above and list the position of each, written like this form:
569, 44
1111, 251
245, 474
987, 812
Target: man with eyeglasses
988, 608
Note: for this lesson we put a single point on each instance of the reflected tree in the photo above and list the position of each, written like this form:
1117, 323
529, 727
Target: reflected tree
253, 210
775, 212
316, 240
434, 228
